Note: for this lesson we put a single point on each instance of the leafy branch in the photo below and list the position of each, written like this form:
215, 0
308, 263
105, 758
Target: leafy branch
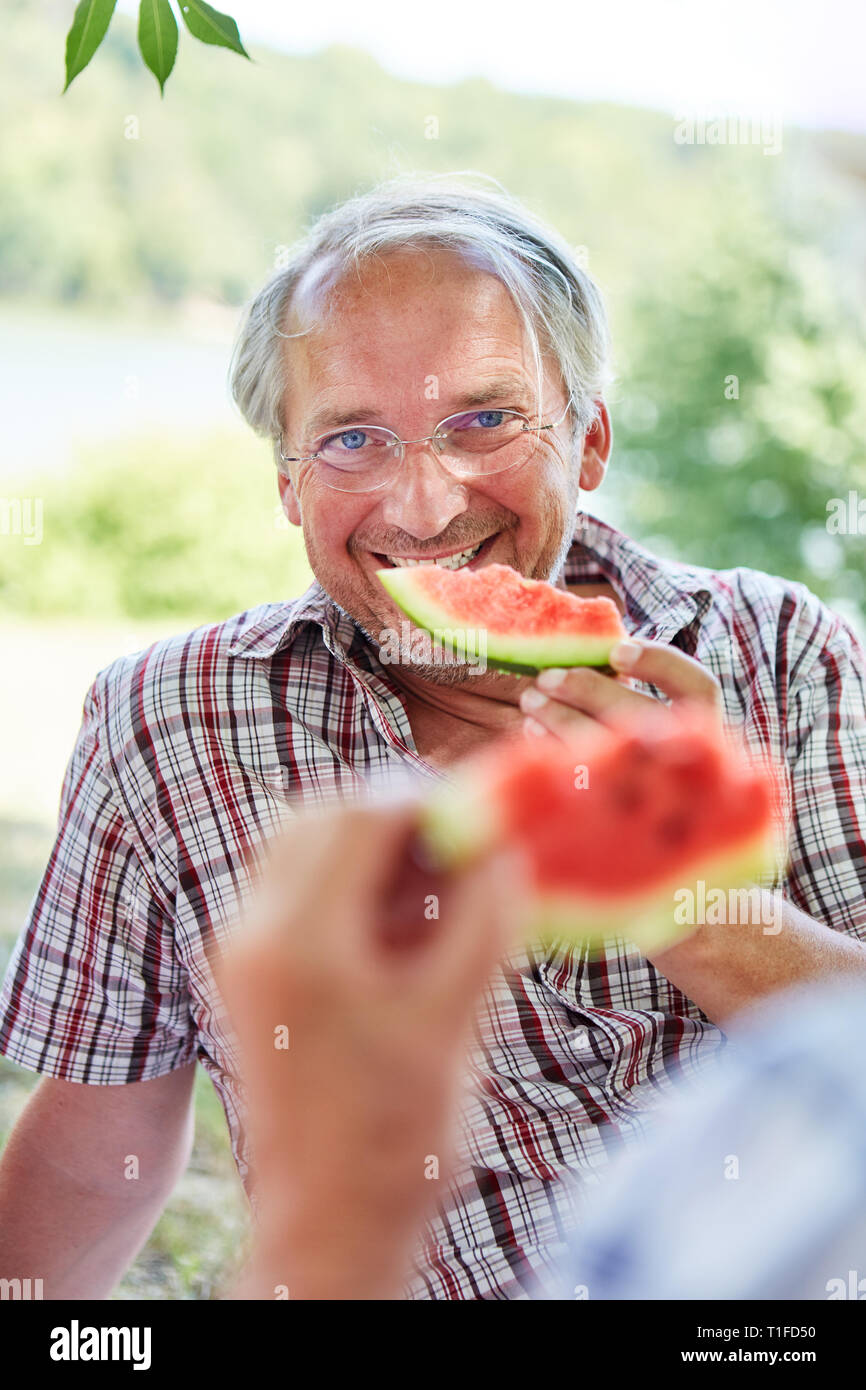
157, 33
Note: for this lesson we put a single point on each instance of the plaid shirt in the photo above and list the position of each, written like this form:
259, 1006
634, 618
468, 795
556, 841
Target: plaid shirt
190, 756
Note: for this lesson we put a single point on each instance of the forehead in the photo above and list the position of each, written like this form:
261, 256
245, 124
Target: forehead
432, 280
395, 324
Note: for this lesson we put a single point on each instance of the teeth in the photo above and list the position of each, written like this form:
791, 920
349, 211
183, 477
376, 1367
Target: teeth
445, 562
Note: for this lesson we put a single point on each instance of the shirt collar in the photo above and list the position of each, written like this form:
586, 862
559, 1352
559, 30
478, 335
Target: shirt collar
662, 597
265, 630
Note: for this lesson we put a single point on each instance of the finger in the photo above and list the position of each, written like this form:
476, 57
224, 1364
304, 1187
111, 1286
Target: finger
481, 920
582, 691
267, 1007
408, 904
321, 888
557, 722
293, 863
667, 668
532, 729
258, 987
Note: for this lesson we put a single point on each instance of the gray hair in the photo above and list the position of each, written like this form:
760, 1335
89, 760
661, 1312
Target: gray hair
559, 303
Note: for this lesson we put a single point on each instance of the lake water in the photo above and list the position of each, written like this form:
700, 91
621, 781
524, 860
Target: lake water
69, 381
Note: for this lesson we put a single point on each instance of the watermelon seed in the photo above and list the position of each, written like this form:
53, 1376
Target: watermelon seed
628, 796
674, 828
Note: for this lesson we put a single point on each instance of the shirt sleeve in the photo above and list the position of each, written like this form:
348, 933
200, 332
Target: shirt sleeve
827, 761
95, 991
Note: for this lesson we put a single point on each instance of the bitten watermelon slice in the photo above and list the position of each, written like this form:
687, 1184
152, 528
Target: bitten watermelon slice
523, 624
618, 822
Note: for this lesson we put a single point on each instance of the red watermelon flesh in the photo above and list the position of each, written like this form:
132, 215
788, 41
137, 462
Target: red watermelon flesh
648, 807
666, 797
508, 602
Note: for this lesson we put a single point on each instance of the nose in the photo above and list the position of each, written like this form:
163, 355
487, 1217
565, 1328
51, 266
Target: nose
424, 497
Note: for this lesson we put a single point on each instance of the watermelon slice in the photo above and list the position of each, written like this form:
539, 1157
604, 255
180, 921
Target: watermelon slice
616, 823
516, 624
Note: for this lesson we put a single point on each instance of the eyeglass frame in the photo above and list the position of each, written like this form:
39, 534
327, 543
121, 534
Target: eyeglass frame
428, 439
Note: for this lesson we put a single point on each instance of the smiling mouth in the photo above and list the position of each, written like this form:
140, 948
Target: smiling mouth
454, 560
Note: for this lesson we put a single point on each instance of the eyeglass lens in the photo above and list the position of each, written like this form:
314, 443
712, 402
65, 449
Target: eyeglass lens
473, 443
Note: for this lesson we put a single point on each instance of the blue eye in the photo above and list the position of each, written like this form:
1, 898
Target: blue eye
489, 419
351, 439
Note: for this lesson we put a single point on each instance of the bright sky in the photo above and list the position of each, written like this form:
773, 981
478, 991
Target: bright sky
796, 58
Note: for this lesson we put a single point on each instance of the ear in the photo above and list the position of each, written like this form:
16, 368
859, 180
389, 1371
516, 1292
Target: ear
597, 444
289, 499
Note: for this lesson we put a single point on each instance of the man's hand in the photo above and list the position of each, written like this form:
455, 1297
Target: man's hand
352, 992
561, 702
723, 968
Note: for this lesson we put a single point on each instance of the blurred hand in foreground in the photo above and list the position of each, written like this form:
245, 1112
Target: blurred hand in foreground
352, 990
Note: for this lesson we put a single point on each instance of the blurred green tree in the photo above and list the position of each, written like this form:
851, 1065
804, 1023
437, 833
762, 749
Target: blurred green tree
743, 408
146, 528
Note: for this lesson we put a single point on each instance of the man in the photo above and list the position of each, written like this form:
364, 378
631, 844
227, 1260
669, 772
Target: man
419, 305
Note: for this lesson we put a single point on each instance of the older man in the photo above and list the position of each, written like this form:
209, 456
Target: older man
408, 319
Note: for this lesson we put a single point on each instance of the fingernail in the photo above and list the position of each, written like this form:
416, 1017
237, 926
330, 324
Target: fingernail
552, 677
625, 654
533, 728
532, 699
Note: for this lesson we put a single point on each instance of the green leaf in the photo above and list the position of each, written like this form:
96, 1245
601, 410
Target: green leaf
207, 24
157, 38
89, 23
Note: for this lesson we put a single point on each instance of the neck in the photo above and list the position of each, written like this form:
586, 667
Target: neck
487, 701
449, 721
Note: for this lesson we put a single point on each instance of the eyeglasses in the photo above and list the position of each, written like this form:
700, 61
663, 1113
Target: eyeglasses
475, 443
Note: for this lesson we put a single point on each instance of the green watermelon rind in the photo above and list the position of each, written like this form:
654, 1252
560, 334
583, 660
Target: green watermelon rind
459, 822
519, 668
646, 918
502, 651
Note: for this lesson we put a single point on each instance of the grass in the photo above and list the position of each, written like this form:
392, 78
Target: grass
198, 1243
